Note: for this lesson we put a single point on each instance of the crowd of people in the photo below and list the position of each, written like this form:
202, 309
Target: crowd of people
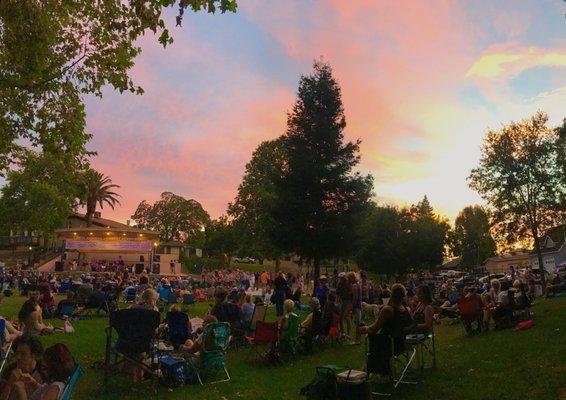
345, 305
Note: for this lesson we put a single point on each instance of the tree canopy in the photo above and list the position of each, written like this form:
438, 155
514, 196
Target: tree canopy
520, 178
252, 206
382, 242
96, 189
319, 197
471, 238
39, 194
52, 53
174, 217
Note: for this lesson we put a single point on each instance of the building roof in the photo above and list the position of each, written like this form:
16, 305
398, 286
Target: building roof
553, 239
102, 222
453, 263
510, 256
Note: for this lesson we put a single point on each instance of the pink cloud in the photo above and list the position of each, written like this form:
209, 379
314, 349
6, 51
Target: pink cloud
400, 67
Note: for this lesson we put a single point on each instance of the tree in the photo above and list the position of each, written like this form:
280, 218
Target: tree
561, 149
520, 178
471, 238
382, 244
39, 194
174, 217
251, 208
95, 188
319, 198
425, 235
52, 53
221, 238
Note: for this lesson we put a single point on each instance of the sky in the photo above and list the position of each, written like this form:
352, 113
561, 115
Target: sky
421, 82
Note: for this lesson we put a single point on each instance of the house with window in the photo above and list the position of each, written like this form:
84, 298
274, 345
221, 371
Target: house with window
502, 263
553, 249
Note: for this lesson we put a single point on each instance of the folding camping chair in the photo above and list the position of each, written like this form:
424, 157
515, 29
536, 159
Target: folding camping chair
164, 292
266, 333
178, 328
188, 299
470, 312
260, 310
94, 304
65, 286
65, 309
130, 294
75, 376
136, 329
384, 355
425, 343
5, 347
216, 337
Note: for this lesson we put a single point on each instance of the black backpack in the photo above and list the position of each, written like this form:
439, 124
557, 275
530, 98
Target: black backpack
323, 386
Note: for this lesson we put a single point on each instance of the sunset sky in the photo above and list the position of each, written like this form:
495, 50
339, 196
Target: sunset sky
421, 81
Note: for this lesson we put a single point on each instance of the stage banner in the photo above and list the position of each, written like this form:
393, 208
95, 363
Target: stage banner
108, 245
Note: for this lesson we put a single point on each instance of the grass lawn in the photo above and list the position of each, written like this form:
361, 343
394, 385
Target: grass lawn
499, 365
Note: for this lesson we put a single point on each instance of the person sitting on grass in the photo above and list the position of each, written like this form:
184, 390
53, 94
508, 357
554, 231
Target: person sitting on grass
28, 352
311, 327
288, 311
58, 367
69, 300
30, 317
394, 320
195, 346
11, 332
556, 285
247, 311
223, 310
47, 302
147, 300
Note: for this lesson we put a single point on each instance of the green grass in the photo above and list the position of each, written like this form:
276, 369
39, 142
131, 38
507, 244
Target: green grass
499, 365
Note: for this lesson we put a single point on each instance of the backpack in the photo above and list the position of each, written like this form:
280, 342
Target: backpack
176, 372
323, 386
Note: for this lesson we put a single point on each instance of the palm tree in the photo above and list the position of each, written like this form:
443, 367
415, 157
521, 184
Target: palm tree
97, 189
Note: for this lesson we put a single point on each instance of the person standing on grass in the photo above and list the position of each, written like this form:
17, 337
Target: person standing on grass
279, 290
344, 293
356, 290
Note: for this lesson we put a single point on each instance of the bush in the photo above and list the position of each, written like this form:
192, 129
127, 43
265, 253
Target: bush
194, 264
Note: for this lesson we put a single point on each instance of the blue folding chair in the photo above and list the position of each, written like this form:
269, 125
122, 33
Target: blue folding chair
164, 295
75, 376
130, 295
65, 286
189, 299
66, 310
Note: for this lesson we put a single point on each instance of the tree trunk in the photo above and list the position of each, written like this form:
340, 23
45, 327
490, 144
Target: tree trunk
316, 264
540, 263
277, 264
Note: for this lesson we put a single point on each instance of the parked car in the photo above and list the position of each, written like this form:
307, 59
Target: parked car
245, 260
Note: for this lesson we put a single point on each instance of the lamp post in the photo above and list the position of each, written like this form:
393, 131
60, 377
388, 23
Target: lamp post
29, 256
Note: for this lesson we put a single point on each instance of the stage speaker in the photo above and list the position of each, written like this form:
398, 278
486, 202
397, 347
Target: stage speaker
59, 266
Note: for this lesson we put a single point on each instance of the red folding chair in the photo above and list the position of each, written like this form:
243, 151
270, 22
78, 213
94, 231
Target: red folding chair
470, 312
266, 333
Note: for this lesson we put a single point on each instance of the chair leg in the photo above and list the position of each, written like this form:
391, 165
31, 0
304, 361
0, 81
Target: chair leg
408, 364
